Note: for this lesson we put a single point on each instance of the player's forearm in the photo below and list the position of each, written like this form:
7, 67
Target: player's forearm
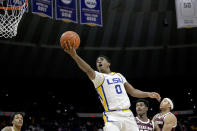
135, 92
84, 66
167, 128
140, 94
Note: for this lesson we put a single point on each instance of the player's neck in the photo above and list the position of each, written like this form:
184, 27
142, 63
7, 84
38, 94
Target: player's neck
108, 71
143, 117
16, 128
164, 111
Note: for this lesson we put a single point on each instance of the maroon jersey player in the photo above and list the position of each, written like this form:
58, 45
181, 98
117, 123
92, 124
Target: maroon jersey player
17, 121
165, 121
142, 120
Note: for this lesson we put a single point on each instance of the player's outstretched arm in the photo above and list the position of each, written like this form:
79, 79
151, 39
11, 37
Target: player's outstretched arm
80, 62
140, 94
169, 122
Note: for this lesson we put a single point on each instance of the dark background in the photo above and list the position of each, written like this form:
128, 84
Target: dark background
140, 37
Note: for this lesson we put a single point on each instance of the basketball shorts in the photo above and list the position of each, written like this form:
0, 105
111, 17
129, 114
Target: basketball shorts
122, 120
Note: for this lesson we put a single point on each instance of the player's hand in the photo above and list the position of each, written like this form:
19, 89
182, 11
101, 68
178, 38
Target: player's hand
155, 95
69, 49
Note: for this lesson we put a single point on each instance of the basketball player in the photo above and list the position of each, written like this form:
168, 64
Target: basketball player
142, 120
165, 121
17, 121
112, 89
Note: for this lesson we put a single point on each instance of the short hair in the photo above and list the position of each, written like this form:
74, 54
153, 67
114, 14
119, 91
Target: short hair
146, 103
13, 115
107, 58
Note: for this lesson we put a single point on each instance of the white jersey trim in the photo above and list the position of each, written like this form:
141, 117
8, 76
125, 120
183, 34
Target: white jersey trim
153, 125
143, 121
146, 122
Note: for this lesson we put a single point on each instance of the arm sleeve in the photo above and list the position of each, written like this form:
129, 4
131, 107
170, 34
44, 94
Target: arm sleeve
123, 78
99, 79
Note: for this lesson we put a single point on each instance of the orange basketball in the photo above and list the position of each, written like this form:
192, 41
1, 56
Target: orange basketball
71, 36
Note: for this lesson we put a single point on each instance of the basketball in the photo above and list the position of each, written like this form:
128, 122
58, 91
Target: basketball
71, 36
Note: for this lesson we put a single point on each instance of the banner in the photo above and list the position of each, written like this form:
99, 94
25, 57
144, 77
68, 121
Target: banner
186, 11
43, 8
91, 12
66, 10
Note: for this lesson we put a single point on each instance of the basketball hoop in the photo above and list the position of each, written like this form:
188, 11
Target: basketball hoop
11, 12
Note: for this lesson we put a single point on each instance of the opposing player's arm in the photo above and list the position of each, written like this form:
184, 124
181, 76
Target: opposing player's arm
80, 62
169, 122
140, 94
6, 129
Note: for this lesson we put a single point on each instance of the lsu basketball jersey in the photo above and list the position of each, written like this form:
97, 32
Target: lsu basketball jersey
145, 126
12, 128
111, 90
159, 120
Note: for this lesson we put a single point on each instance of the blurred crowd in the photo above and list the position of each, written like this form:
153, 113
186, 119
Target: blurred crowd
185, 123
71, 122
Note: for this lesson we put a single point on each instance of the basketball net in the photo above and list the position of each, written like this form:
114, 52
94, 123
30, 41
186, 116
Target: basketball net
11, 12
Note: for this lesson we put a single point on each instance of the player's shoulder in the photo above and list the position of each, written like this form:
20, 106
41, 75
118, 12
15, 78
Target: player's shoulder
170, 117
99, 73
7, 128
118, 74
155, 116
